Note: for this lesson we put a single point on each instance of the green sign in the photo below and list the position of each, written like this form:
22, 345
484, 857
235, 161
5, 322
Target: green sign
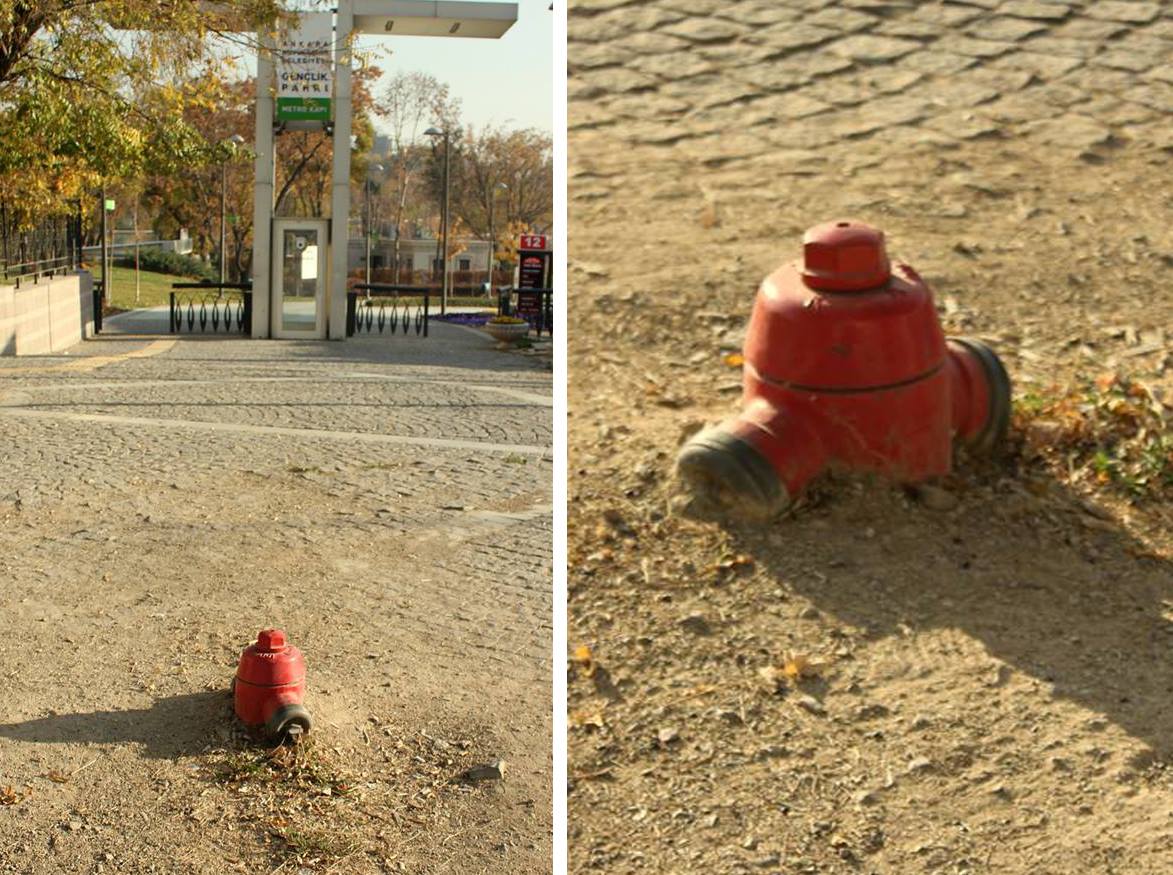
309, 109
109, 204
305, 69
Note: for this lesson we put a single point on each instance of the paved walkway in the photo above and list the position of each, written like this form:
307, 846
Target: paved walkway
788, 80
388, 501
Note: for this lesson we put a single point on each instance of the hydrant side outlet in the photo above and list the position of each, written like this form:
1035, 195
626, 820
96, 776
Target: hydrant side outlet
846, 365
269, 686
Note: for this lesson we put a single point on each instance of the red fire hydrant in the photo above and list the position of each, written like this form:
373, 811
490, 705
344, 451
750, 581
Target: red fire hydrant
846, 366
269, 687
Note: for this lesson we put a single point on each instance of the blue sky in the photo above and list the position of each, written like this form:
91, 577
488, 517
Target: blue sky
508, 81
503, 82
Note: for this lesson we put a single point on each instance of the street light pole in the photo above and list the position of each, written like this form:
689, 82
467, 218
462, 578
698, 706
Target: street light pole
378, 168
492, 237
235, 140
434, 132
444, 295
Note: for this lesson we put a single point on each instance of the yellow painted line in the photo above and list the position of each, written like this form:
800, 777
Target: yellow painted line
92, 363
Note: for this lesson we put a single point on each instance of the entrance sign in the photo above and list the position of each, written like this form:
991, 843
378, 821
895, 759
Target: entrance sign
305, 69
304, 79
533, 262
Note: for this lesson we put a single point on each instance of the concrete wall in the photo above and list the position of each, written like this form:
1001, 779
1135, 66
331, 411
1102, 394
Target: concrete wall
46, 316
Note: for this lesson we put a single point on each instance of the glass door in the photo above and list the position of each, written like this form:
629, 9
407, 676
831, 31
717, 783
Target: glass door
299, 278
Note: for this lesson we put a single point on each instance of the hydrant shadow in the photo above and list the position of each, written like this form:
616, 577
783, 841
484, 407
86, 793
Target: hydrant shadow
1053, 588
172, 727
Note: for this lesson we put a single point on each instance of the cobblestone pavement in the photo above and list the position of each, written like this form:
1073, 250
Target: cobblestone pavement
730, 81
387, 502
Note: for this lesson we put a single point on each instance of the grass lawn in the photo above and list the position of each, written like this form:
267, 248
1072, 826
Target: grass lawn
154, 288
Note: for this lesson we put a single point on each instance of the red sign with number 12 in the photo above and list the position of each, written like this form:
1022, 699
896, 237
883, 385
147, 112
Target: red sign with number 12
533, 241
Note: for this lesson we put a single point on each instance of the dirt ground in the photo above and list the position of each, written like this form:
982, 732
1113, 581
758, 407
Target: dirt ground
386, 503
990, 673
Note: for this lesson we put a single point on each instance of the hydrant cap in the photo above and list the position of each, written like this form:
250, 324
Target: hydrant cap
270, 640
845, 256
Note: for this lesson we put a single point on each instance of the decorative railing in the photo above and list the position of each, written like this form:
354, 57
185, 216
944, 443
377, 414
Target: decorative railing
387, 308
44, 247
212, 308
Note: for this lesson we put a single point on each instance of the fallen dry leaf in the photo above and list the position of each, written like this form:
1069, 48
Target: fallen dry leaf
734, 359
8, 796
584, 659
587, 719
57, 777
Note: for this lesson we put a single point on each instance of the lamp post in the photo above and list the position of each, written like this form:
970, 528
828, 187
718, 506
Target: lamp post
235, 140
434, 132
377, 168
500, 186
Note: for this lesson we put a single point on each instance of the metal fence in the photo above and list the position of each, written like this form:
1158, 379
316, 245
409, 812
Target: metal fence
212, 308
387, 308
31, 249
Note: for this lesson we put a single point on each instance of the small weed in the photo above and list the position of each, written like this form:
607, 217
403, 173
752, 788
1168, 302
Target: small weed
1113, 432
515, 459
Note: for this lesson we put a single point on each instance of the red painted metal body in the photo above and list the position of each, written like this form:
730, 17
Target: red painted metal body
846, 366
269, 687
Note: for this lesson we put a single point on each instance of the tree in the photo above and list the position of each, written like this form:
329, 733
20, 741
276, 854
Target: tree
412, 102
503, 178
87, 89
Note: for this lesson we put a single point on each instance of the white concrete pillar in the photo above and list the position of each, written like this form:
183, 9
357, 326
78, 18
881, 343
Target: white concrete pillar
263, 189
340, 202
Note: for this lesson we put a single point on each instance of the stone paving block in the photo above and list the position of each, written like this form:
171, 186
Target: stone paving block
889, 80
790, 37
960, 92
695, 7
841, 91
615, 80
592, 56
976, 48
651, 44
1053, 45
1003, 81
590, 7
845, 20
1061, 94
1094, 80
736, 54
938, 63
1071, 130
1089, 29
793, 105
1034, 9
789, 74
1112, 10
1005, 29
1123, 59
1116, 112
1157, 95
1043, 66
762, 14
647, 105
963, 125
1017, 108
1163, 73
945, 17
674, 66
704, 30
918, 30
872, 49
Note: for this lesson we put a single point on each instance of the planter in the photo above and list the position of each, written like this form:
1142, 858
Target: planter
507, 332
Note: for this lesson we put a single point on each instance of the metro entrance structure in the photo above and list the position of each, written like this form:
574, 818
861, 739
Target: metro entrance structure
300, 264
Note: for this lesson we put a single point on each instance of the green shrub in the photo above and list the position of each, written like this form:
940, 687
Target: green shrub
158, 261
